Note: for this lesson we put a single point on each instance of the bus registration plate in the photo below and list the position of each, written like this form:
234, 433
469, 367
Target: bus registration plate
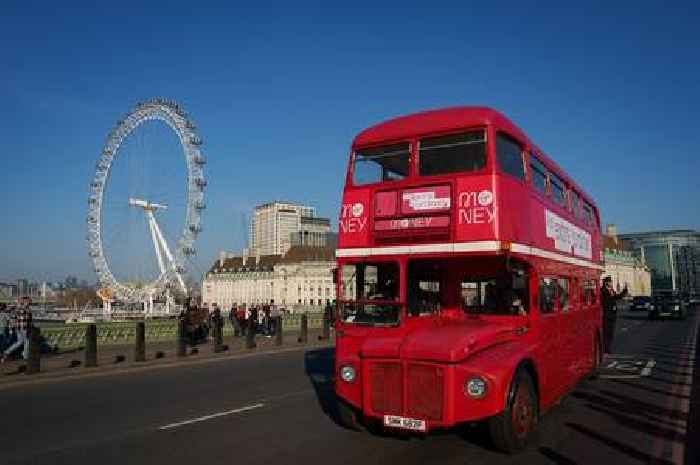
413, 424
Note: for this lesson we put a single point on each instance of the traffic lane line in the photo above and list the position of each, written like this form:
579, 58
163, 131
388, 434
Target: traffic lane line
259, 404
211, 416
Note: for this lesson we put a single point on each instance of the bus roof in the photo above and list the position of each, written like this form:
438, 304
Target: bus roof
453, 118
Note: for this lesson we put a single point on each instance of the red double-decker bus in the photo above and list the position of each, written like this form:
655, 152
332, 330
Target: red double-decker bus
468, 270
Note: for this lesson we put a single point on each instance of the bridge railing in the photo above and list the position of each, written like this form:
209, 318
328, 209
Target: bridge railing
120, 333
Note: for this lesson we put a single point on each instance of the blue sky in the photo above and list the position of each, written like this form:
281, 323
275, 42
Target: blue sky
279, 90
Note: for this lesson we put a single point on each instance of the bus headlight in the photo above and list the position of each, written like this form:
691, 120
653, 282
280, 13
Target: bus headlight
347, 373
475, 387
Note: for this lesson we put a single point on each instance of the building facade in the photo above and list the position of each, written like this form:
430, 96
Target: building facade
276, 225
624, 267
673, 257
300, 279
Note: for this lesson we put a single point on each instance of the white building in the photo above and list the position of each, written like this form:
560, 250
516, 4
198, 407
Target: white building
624, 267
275, 224
299, 279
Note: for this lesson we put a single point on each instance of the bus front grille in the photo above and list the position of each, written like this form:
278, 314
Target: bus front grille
425, 391
385, 388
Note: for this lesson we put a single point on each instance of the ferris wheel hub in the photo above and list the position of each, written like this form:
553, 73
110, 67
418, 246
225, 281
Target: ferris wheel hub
146, 205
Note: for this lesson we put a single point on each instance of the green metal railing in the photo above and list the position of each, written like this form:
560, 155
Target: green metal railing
124, 332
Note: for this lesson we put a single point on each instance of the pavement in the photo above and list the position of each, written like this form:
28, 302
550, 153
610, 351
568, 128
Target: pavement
277, 407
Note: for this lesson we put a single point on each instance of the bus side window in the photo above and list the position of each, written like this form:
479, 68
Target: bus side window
510, 156
547, 295
563, 292
538, 174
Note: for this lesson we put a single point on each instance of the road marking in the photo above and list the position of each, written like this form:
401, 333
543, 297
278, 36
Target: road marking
646, 371
209, 417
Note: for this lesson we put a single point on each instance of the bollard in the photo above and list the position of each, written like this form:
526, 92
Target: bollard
91, 345
304, 334
181, 341
34, 360
218, 335
326, 328
278, 329
250, 334
140, 349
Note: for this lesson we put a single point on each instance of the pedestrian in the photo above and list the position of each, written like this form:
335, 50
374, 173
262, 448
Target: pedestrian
4, 327
329, 313
609, 299
274, 317
261, 319
23, 325
233, 319
266, 319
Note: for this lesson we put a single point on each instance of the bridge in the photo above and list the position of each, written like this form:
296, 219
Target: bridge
277, 406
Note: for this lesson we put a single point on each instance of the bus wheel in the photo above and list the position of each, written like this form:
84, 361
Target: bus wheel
347, 416
511, 430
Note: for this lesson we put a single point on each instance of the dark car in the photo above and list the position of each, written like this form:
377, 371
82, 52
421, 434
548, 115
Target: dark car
641, 303
668, 305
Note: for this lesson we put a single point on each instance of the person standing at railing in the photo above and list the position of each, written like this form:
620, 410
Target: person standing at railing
4, 327
23, 324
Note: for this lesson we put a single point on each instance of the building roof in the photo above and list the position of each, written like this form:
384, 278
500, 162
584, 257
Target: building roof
666, 232
612, 243
309, 254
296, 254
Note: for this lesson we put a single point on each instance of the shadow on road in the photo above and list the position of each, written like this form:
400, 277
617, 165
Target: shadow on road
319, 366
617, 445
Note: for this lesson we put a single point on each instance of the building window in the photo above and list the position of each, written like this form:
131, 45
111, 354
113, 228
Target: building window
510, 156
452, 154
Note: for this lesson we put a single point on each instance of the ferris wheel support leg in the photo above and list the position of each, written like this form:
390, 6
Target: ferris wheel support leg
156, 243
167, 252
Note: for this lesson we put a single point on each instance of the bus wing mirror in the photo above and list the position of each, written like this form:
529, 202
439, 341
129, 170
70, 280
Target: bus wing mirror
335, 275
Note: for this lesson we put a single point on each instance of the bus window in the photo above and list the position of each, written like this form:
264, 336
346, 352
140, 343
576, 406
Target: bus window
452, 154
423, 287
510, 157
563, 292
504, 295
589, 289
558, 190
387, 163
576, 205
370, 293
547, 294
588, 214
538, 174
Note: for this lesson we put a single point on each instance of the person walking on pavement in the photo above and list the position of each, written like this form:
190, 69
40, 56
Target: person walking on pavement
609, 299
274, 317
23, 324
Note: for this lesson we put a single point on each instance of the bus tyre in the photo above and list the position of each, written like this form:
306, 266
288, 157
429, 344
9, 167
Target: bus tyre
512, 429
347, 416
